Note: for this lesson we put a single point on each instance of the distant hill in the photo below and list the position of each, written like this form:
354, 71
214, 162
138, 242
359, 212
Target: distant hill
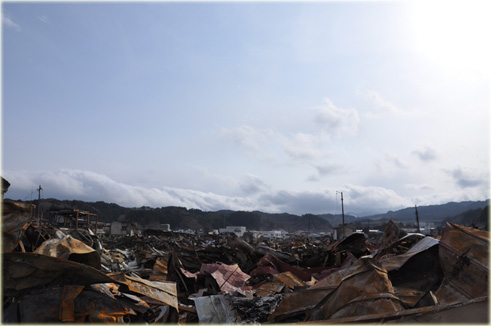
183, 218
336, 220
431, 213
475, 217
465, 213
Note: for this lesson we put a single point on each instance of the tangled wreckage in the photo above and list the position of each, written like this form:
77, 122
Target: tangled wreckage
52, 275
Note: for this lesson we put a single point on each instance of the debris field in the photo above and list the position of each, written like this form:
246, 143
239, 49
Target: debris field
52, 275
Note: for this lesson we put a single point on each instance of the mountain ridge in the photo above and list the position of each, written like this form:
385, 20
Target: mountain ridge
183, 218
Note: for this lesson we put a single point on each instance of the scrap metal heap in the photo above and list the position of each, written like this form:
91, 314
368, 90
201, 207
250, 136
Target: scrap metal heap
51, 276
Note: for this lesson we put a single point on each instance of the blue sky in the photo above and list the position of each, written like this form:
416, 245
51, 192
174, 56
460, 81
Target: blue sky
247, 106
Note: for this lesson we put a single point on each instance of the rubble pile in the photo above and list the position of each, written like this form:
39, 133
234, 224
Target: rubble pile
52, 275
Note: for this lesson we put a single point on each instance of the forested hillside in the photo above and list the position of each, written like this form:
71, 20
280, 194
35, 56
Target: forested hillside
465, 213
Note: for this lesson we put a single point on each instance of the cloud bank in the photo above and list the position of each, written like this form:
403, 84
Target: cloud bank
90, 186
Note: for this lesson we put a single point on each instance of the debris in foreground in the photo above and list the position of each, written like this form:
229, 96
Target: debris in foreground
52, 275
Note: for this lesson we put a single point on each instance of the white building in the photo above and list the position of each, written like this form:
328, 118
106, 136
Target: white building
238, 230
120, 228
338, 232
274, 234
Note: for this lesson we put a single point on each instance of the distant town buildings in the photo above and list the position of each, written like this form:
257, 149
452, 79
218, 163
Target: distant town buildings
274, 234
338, 231
238, 230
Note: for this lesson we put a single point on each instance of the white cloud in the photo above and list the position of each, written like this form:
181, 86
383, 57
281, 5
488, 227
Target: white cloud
395, 160
325, 170
337, 121
438, 198
303, 146
467, 178
419, 187
381, 103
254, 185
10, 23
44, 19
246, 136
89, 186
426, 155
370, 200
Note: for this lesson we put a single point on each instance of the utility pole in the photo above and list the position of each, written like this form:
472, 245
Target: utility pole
342, 209
417, 218
39, 203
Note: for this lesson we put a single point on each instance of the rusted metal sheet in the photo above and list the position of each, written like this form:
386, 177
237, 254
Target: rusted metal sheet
283, 256
70, 248
464, 256
447, 293
370, 303
422, 271
401, 246
16, 218
67, 307
355, 244
366, 291
297, 303
28, 270
160, 267
230, 278
289, 280
263, 270
429, 299
391, 234
164, 292
279, 266
46, 307
409, 296
333, 280
269, 288
475, 311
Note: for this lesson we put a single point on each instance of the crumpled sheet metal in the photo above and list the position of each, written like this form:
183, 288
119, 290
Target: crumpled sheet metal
333, 280
16, 218
410, 297
284, 256
474, 311
230, 278
270, 264
366, 291
289, 280
391, 234
26, 270
49, 306
422, 271
400, 246
354, 243
164, 292
395, 262
268, 288
70, 248
423, 244
67, 306
216, 309
464, 256
297, 302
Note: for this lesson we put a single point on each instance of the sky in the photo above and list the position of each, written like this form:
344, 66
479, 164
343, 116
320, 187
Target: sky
270, 106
